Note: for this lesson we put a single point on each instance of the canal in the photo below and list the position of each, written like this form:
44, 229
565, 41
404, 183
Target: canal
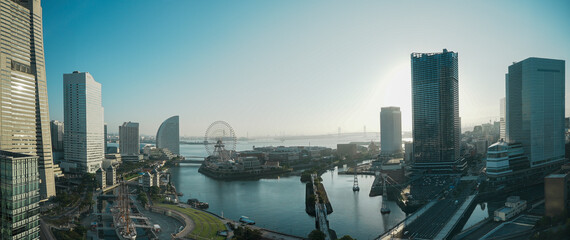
278, 203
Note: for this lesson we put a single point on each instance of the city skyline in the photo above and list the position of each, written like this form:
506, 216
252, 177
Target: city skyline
303, 68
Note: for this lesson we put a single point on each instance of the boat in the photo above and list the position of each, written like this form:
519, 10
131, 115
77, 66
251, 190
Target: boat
356, 188
197, 204
384, 210
246, 220
122, 222
202, 205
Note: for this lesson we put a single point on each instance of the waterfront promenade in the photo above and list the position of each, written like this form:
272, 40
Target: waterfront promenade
199, 224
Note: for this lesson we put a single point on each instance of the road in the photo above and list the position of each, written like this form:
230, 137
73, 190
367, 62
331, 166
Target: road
433, 220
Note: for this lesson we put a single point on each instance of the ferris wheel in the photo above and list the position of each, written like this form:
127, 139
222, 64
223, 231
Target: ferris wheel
220, 140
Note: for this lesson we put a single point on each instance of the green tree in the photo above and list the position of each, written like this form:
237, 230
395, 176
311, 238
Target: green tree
316, 235
346, 237
244, 233
142, 197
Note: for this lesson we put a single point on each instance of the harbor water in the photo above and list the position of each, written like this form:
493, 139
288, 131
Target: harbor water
279, 203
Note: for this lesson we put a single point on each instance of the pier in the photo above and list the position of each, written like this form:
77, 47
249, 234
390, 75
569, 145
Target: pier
321, 221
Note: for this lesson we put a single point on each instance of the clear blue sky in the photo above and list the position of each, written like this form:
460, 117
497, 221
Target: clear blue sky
289, 67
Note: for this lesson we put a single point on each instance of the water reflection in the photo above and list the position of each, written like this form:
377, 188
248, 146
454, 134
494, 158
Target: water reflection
279, 203
480, 213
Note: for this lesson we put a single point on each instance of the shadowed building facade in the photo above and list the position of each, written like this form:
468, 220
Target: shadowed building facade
168, 135
435, 111
390, 130
129, 141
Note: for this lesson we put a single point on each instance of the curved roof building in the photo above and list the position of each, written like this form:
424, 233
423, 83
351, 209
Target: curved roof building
168, 135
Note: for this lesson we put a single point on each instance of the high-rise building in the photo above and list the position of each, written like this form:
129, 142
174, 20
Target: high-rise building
56, 135
503, 120
24, 121
83, 121
20, 197
535, 110
435, 107
129, 141
105, 138
390, 130
168, 135
534, 123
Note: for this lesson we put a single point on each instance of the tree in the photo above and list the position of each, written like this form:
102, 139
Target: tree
154, 190
316, 235
244, 233
142, 197
346, 237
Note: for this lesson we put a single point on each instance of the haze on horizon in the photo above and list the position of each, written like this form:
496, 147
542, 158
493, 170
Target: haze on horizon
289, 67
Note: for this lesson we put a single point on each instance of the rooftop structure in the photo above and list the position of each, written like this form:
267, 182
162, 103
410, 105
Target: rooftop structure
513, 206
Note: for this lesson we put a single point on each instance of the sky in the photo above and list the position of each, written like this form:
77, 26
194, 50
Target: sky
274, 68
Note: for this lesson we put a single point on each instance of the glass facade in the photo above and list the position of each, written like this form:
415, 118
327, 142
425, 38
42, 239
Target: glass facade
20, 195
391, 130
24, 120
535, 109
435, 109
168, 135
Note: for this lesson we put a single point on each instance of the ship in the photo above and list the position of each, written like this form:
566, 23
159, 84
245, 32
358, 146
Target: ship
246, 220
124, 226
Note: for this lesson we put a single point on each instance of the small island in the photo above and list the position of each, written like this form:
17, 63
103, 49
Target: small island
240, 168
227, 164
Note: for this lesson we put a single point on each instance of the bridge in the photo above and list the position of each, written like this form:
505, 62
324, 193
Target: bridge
438, 219
321, 221
191, 161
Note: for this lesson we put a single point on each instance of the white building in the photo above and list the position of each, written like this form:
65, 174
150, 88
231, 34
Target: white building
513, 207
390, 130
83, 114
129, 141
503, 120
